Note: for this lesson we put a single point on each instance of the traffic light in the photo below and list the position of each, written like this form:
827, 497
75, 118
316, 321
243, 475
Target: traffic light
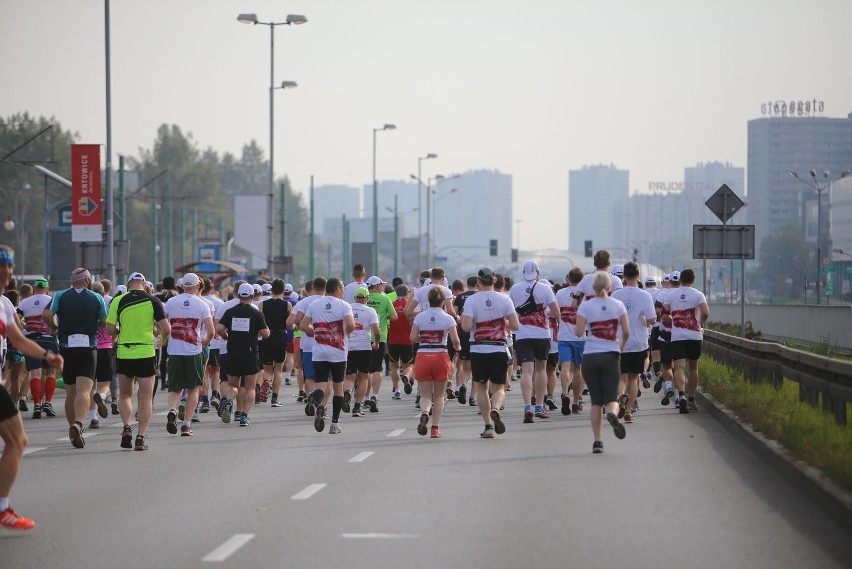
589, 249
514, 255
493, 247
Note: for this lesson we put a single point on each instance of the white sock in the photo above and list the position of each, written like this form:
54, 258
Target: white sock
668, 386
4, 502
93, 415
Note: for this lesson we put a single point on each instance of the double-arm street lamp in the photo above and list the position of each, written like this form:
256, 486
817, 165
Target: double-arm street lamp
420, 159
816, 186
292, 19
375, 271
430, 189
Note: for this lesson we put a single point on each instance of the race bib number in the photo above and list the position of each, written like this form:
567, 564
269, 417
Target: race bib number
240, 324
78, 341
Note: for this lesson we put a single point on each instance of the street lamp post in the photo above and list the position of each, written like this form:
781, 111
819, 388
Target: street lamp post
395, 212
826, 175
291, 20
435, 205
387, 126
420, 159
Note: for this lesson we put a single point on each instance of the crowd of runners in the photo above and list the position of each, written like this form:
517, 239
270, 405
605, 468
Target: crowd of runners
600, 338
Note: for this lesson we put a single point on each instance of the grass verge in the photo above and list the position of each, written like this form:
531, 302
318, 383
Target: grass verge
806, 433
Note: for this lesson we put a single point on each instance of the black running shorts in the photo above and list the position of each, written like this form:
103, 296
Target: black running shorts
79, 362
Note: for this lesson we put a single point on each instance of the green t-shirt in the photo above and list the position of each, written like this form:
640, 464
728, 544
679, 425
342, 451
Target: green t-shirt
383, 306
135, 313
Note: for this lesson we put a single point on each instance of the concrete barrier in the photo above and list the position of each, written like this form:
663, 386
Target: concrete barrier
808, 324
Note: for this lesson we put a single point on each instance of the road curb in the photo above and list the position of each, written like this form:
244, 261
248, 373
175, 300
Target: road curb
832, 499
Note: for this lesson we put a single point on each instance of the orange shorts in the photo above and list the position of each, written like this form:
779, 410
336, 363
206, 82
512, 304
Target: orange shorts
434, 366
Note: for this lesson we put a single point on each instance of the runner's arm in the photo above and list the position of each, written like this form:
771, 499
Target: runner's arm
30, 348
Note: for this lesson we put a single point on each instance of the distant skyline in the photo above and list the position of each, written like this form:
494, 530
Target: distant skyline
532, 89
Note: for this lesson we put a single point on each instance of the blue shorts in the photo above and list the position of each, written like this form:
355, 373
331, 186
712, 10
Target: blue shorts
308, 365
571, 351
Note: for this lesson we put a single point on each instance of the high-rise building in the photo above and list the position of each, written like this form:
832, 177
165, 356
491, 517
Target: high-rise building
331, 203
468, 212
405, 193
779, 145
593, 193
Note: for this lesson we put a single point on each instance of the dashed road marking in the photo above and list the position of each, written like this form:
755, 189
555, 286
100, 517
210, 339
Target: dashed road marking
379, 536
308, 492
228, 548
396, 432
361, 457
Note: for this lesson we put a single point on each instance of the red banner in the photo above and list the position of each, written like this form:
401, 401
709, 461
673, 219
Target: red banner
86, 215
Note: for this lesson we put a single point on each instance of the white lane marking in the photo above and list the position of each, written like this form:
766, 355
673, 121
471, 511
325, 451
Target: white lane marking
308, 492
119, 424
396, 433
379, 535
31, 450
361, 457
228, 548
86, 435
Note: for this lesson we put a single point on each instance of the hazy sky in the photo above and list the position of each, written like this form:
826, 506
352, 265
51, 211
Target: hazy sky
532, 88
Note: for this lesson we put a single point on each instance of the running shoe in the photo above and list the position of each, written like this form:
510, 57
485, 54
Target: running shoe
436, 432
185, 431
275, 402
214, 402
646, 380
622, 405
334, 429
488, 433
114, 407
287, 381
421, 428
94, 424
22, 404
374, 405
548, 400
356, 412
597, 447
528, 416
75, 433
499, 425
461, 394
182, 410
347, 400
628, 417
585, 391
450, 393
472, 401
102, 408
540, 413
319, 420
617, 427
575, 407
566, 405
692, 406
264, 391
406, 384
667, 397
301, 397
196, 418
397, 395
141, 443
171, 423
417, 402
9, 519
310, 410
684, 406
127, 437
47, 409
244, 420
508, 387
635, 407
36, 411
532, 400
205, 406
658, 385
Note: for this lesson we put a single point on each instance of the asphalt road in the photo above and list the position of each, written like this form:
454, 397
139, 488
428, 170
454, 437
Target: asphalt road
679, 491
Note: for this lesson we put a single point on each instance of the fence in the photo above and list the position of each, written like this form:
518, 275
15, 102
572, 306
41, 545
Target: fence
819, 377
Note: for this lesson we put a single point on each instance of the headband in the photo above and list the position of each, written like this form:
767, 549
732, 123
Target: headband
7, 257
80, 277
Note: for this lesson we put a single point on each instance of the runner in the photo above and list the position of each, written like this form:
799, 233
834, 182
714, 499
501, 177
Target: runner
463, 365
330, 321
79, 312
42, 379
359, 273
640, 316
383, 306
601, 262
276, 310
240, 325
532, 344
307, 341
363, 341
488, 316
671, 282
11, 425
400, 349
599, 319
432, 364
570, 345
228, 395
212, 378
104, 369
191, 332
135, 318
689, 312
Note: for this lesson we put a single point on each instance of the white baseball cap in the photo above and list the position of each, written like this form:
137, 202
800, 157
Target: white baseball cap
120, 289
136, 277
675, 276
375, 281
288, 287
530, 270
245, 290
190, 279
617, 270
266, 288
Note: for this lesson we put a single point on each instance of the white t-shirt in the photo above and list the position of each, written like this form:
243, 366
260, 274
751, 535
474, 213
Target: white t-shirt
684, 302
33, 307
327, 315
663, 298
349, 291
488, 310
186, 314
306, 344
640, 308
434, 325
7, 315
567, 315
586, 285
218, 341
365, 316
421, 295
535, 325
220, 311
602, 326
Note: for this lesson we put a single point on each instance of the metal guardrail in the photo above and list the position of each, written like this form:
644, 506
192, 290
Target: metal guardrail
822, 381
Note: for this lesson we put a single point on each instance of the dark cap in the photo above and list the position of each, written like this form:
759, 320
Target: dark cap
486, 275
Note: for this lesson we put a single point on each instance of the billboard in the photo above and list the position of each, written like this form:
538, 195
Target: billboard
86, 213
